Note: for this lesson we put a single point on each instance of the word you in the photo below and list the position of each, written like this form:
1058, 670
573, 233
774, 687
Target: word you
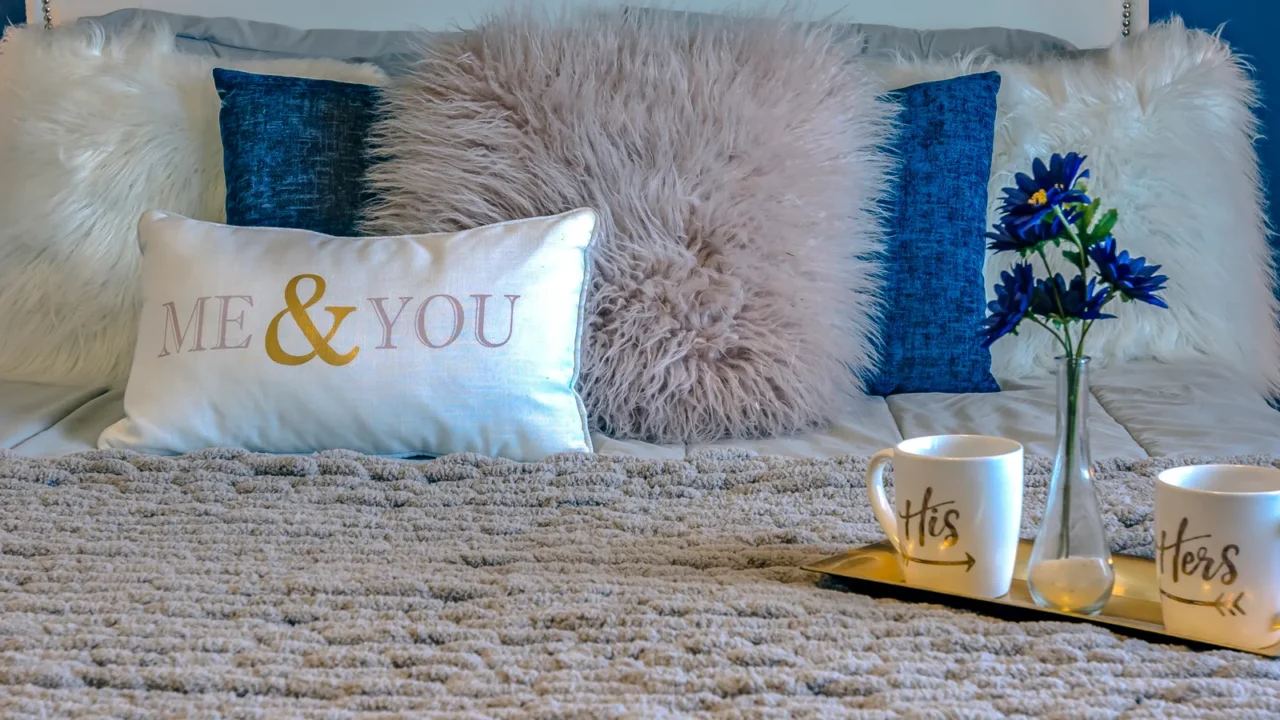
229, 333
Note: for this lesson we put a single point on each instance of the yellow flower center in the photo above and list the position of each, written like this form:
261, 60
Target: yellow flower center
1039, 198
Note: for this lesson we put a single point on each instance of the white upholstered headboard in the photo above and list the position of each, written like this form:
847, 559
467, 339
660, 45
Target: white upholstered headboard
1085, 23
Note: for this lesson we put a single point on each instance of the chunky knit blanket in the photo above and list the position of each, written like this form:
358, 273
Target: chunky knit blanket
243, 585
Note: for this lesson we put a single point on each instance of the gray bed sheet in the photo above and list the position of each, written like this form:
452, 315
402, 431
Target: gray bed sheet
1139, 410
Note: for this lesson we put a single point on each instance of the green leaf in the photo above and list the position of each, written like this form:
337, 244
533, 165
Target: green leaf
1086, 219
1091, 212
1104, 226
1071, 256
1082, 227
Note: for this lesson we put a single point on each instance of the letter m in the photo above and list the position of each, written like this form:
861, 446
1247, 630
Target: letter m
179, 333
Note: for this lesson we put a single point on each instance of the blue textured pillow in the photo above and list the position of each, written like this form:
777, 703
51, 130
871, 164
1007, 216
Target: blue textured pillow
294, 150
934, 289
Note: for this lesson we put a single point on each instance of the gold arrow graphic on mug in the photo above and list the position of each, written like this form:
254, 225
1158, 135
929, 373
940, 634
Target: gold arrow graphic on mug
969, 561
1225, 603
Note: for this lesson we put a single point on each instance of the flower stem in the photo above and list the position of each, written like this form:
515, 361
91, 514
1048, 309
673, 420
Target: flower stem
1083, 264
1084, 332
1072, 371
1057, 299
1066, 346
1071, 233
1072, 378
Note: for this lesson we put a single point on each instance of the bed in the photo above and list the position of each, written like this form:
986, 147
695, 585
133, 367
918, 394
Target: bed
1140, 410
641, 580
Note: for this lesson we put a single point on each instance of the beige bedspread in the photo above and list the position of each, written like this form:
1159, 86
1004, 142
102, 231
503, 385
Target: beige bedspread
266, 586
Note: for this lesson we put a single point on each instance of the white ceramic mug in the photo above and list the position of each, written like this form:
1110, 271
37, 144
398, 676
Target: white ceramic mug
957, 510
1217, 545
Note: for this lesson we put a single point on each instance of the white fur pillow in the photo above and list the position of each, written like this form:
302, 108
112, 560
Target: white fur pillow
1166, 120
94, 131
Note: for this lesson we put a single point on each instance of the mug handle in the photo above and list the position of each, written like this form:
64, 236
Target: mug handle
879, 500
1275, 621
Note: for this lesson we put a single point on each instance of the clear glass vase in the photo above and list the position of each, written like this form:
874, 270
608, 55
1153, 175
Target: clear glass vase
1070, 567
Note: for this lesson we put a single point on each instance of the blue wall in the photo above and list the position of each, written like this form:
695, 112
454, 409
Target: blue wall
1251, 28
13, 11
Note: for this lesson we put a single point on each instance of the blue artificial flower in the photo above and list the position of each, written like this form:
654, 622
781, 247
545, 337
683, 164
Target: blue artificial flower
1013, 301
1035, 197
1133, 278
1008, 236
1077, 301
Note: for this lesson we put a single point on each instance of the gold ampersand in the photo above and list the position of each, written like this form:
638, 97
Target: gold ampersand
319, 343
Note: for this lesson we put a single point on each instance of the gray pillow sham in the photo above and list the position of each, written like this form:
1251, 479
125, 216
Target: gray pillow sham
392, 50
233, 38
886, 41
1004, 43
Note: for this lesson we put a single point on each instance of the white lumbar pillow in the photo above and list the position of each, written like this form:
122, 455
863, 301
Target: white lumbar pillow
290, 341
95, 129
1166, 118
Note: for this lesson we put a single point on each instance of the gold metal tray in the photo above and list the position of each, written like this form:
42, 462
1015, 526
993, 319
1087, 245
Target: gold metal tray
1134, 608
